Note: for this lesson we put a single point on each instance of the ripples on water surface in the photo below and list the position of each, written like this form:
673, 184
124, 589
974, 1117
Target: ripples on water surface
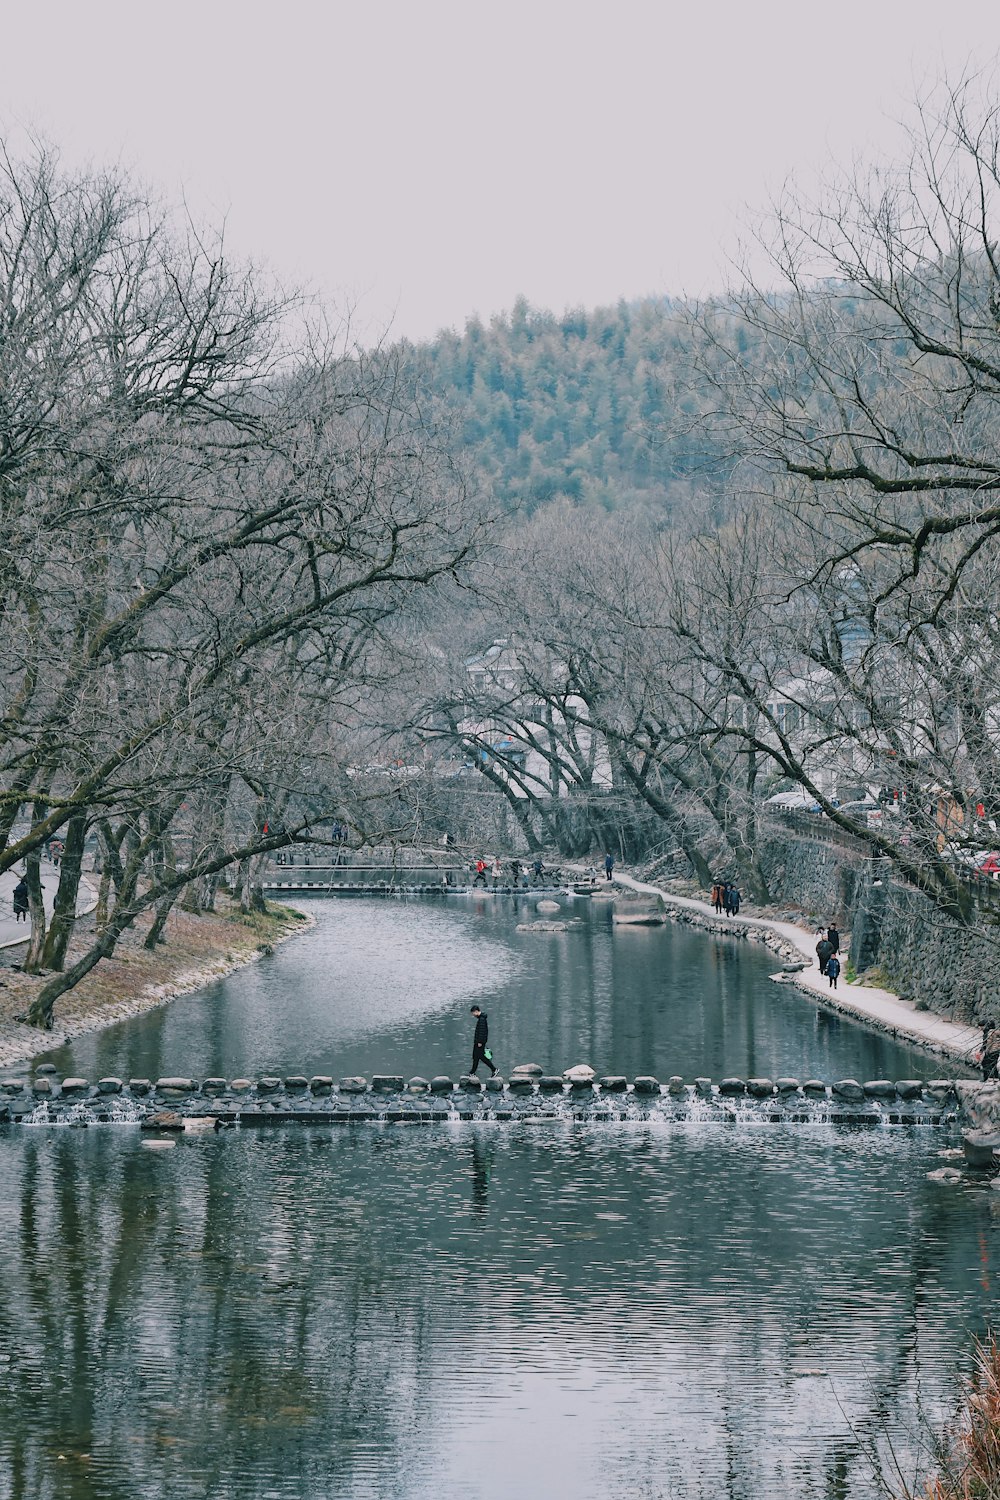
408, 1312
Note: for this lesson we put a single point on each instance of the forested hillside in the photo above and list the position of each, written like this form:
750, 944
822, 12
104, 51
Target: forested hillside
593, 406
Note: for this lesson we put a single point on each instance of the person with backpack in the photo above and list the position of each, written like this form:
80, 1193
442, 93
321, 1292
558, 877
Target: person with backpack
480, 1050
21, 900
833, 970
824, 952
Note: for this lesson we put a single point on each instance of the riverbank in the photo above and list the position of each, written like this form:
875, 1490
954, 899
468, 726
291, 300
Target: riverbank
877, 1008
199, 948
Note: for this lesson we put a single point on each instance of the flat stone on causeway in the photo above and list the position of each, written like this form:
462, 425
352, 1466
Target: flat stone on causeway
848, 1088
321, 1084
441, 1085
73, 1086
240, 1085
524, 1083
732, 1086
760, 1088
296, 1084
703, 1086
675, 1085
42, 1086
470, 1085
268, 1085
814, 1086
164, 1119
494, 1085
614, 1083
549, 1084
387, 1083
353, 1085
138, 1086
109, 1085
879, 1088
214, 1086
787, 1085
646, 1084
175, 1085
909, 1088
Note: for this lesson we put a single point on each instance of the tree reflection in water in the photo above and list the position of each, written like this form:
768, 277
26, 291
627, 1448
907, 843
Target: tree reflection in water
363, 1311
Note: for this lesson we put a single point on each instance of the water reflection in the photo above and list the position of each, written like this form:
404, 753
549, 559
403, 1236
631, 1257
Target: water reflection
691, 1311
385, 986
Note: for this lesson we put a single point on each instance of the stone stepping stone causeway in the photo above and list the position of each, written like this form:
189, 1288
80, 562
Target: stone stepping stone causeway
530, 1094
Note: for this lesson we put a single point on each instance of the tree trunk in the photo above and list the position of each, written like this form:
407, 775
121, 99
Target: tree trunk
40, 1010
36, 908
155, 934
64, 906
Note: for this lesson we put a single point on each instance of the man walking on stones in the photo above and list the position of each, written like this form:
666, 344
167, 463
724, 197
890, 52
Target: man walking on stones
480, 1051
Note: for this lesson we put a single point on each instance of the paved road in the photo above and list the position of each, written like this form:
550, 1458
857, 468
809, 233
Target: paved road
11, 932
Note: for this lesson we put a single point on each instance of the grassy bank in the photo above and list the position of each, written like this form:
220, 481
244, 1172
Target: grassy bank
197, 949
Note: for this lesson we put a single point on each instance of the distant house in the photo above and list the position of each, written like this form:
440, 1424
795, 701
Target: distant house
538, 749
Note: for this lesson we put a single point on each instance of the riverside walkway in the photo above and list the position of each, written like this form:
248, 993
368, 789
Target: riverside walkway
12, 933
878, 1007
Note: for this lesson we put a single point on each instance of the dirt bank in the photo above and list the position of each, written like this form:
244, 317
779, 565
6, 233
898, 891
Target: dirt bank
198, 949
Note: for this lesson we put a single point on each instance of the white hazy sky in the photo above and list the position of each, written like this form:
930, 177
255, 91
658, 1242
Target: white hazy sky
432, 159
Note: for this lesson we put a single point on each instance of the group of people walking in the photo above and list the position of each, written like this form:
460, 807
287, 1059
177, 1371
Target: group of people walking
518, 872
827, 950
726, 897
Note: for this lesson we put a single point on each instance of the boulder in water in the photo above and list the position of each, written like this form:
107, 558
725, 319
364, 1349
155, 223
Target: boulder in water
580, 1073
546, 905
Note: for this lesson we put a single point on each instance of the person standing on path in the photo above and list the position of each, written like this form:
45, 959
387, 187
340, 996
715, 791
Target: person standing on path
497, 871
717, 896
480, 872
536, 871
732, 900
609, 864
833, 970
991, 1050
824, 952
20, 894
833, 938
480, 1051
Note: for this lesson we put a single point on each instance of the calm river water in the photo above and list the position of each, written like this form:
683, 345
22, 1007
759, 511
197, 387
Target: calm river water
682, 1310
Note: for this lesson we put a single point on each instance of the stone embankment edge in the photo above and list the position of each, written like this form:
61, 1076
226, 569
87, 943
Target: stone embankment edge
24, 1042
877, 1008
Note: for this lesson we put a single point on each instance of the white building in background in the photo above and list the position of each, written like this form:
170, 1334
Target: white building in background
537, 749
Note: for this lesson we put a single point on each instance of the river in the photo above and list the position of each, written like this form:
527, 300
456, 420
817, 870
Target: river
683, 1310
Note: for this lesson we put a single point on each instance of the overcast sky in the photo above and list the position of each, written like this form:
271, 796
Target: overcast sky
432, 159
